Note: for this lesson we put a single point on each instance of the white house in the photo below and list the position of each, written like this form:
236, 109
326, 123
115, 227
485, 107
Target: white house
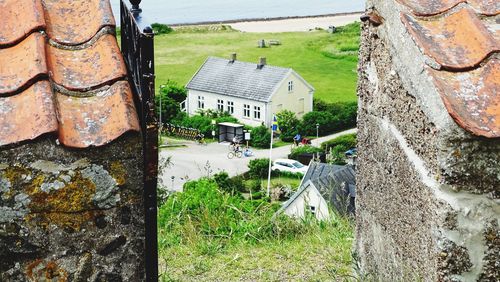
323, 184
250, 92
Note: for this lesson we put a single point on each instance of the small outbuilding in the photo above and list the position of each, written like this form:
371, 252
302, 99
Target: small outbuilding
323, 184
229, 130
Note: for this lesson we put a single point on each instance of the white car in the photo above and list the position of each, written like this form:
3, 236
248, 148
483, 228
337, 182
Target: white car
289, 165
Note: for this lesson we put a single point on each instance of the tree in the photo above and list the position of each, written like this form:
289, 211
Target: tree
288, 124
261, 137
326, 121
171, 95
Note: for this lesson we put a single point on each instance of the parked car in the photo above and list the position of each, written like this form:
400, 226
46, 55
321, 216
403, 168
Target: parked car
289, 165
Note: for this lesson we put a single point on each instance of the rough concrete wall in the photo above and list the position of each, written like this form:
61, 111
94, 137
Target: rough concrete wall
71, 215
427, 192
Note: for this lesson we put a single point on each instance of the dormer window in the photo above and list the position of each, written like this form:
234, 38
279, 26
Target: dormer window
290, 86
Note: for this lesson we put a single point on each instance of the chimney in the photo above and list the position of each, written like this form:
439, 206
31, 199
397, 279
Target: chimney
262, 62
232, 58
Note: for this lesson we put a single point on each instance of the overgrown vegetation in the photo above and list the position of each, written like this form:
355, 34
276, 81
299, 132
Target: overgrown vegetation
337, 147
218, 228
159, 28
307, 149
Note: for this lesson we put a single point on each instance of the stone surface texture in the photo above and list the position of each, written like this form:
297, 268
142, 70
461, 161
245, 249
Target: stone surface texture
72, 215
428, 190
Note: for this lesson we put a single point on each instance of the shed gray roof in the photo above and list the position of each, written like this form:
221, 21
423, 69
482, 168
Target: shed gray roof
325, 178
238, 79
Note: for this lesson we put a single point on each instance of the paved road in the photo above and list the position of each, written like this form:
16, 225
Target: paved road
195, 161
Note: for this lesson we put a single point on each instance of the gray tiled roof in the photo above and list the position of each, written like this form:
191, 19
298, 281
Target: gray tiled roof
238, 79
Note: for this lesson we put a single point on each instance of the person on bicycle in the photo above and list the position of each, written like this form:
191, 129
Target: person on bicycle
297, 139
199, 137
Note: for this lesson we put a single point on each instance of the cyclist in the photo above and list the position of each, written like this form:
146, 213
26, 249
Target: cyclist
200, 138
297, 139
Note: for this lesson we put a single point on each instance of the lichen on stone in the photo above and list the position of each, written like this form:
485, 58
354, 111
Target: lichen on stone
118, 172
106, 189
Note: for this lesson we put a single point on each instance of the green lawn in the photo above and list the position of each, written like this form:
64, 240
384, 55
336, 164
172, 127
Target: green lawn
327, 61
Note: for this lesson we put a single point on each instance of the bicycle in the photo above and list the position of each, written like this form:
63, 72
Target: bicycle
233, 154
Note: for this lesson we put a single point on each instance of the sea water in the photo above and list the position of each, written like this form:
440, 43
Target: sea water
194, 11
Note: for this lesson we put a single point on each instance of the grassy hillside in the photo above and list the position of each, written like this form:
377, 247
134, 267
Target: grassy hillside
327, 61
211, 233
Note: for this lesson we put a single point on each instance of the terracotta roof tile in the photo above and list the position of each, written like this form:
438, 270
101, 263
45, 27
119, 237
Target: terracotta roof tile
30, 54
486, 7
76, 69
93, 104
463, 41
473, 98
27, 115
87, 18
457, 41
14, 30
430, 7
96, 120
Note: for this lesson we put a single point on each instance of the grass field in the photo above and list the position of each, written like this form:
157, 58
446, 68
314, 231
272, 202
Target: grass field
327, 61
322, 254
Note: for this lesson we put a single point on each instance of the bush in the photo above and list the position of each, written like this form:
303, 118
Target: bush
344, 113
171, 95
288, 124
159, 28
326, 121
348, 141
294, 155
261, 137
259, 168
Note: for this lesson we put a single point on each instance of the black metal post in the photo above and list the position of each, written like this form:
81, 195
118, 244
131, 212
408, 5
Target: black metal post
137, 43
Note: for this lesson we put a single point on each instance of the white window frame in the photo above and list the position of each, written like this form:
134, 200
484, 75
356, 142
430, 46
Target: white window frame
246, 110
290, 86
201, 102
256, 112
230, 107
220, 105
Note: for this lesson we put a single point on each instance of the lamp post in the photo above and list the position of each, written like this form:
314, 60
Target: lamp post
317, 130
160, 125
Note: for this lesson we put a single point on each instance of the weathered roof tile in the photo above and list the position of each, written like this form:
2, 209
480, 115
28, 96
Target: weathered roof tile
458, 41
12, 28
93, 104
22, 63
97, 120
76, 69
27, 115
463, 41
87, 18
473, 98
430, 7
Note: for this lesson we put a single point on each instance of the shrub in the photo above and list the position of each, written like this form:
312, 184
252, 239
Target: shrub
327, 123
288, 124
304, 150
159, 28
344, 113
261, 137
171, 95
348, 141
259, 168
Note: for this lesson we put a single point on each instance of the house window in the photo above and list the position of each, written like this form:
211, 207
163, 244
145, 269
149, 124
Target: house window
201, 102
230, 107
279, 107
290, 86
256, 112
220, 105
312, 209
301, 106
246, 110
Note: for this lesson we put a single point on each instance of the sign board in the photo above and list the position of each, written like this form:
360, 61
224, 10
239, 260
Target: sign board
247, 135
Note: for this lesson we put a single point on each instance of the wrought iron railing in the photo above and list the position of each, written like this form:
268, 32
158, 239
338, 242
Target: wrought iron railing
137, 40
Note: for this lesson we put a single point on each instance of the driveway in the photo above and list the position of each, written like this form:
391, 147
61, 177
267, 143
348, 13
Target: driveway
194, 161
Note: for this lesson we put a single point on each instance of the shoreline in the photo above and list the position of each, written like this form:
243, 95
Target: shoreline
260, 20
